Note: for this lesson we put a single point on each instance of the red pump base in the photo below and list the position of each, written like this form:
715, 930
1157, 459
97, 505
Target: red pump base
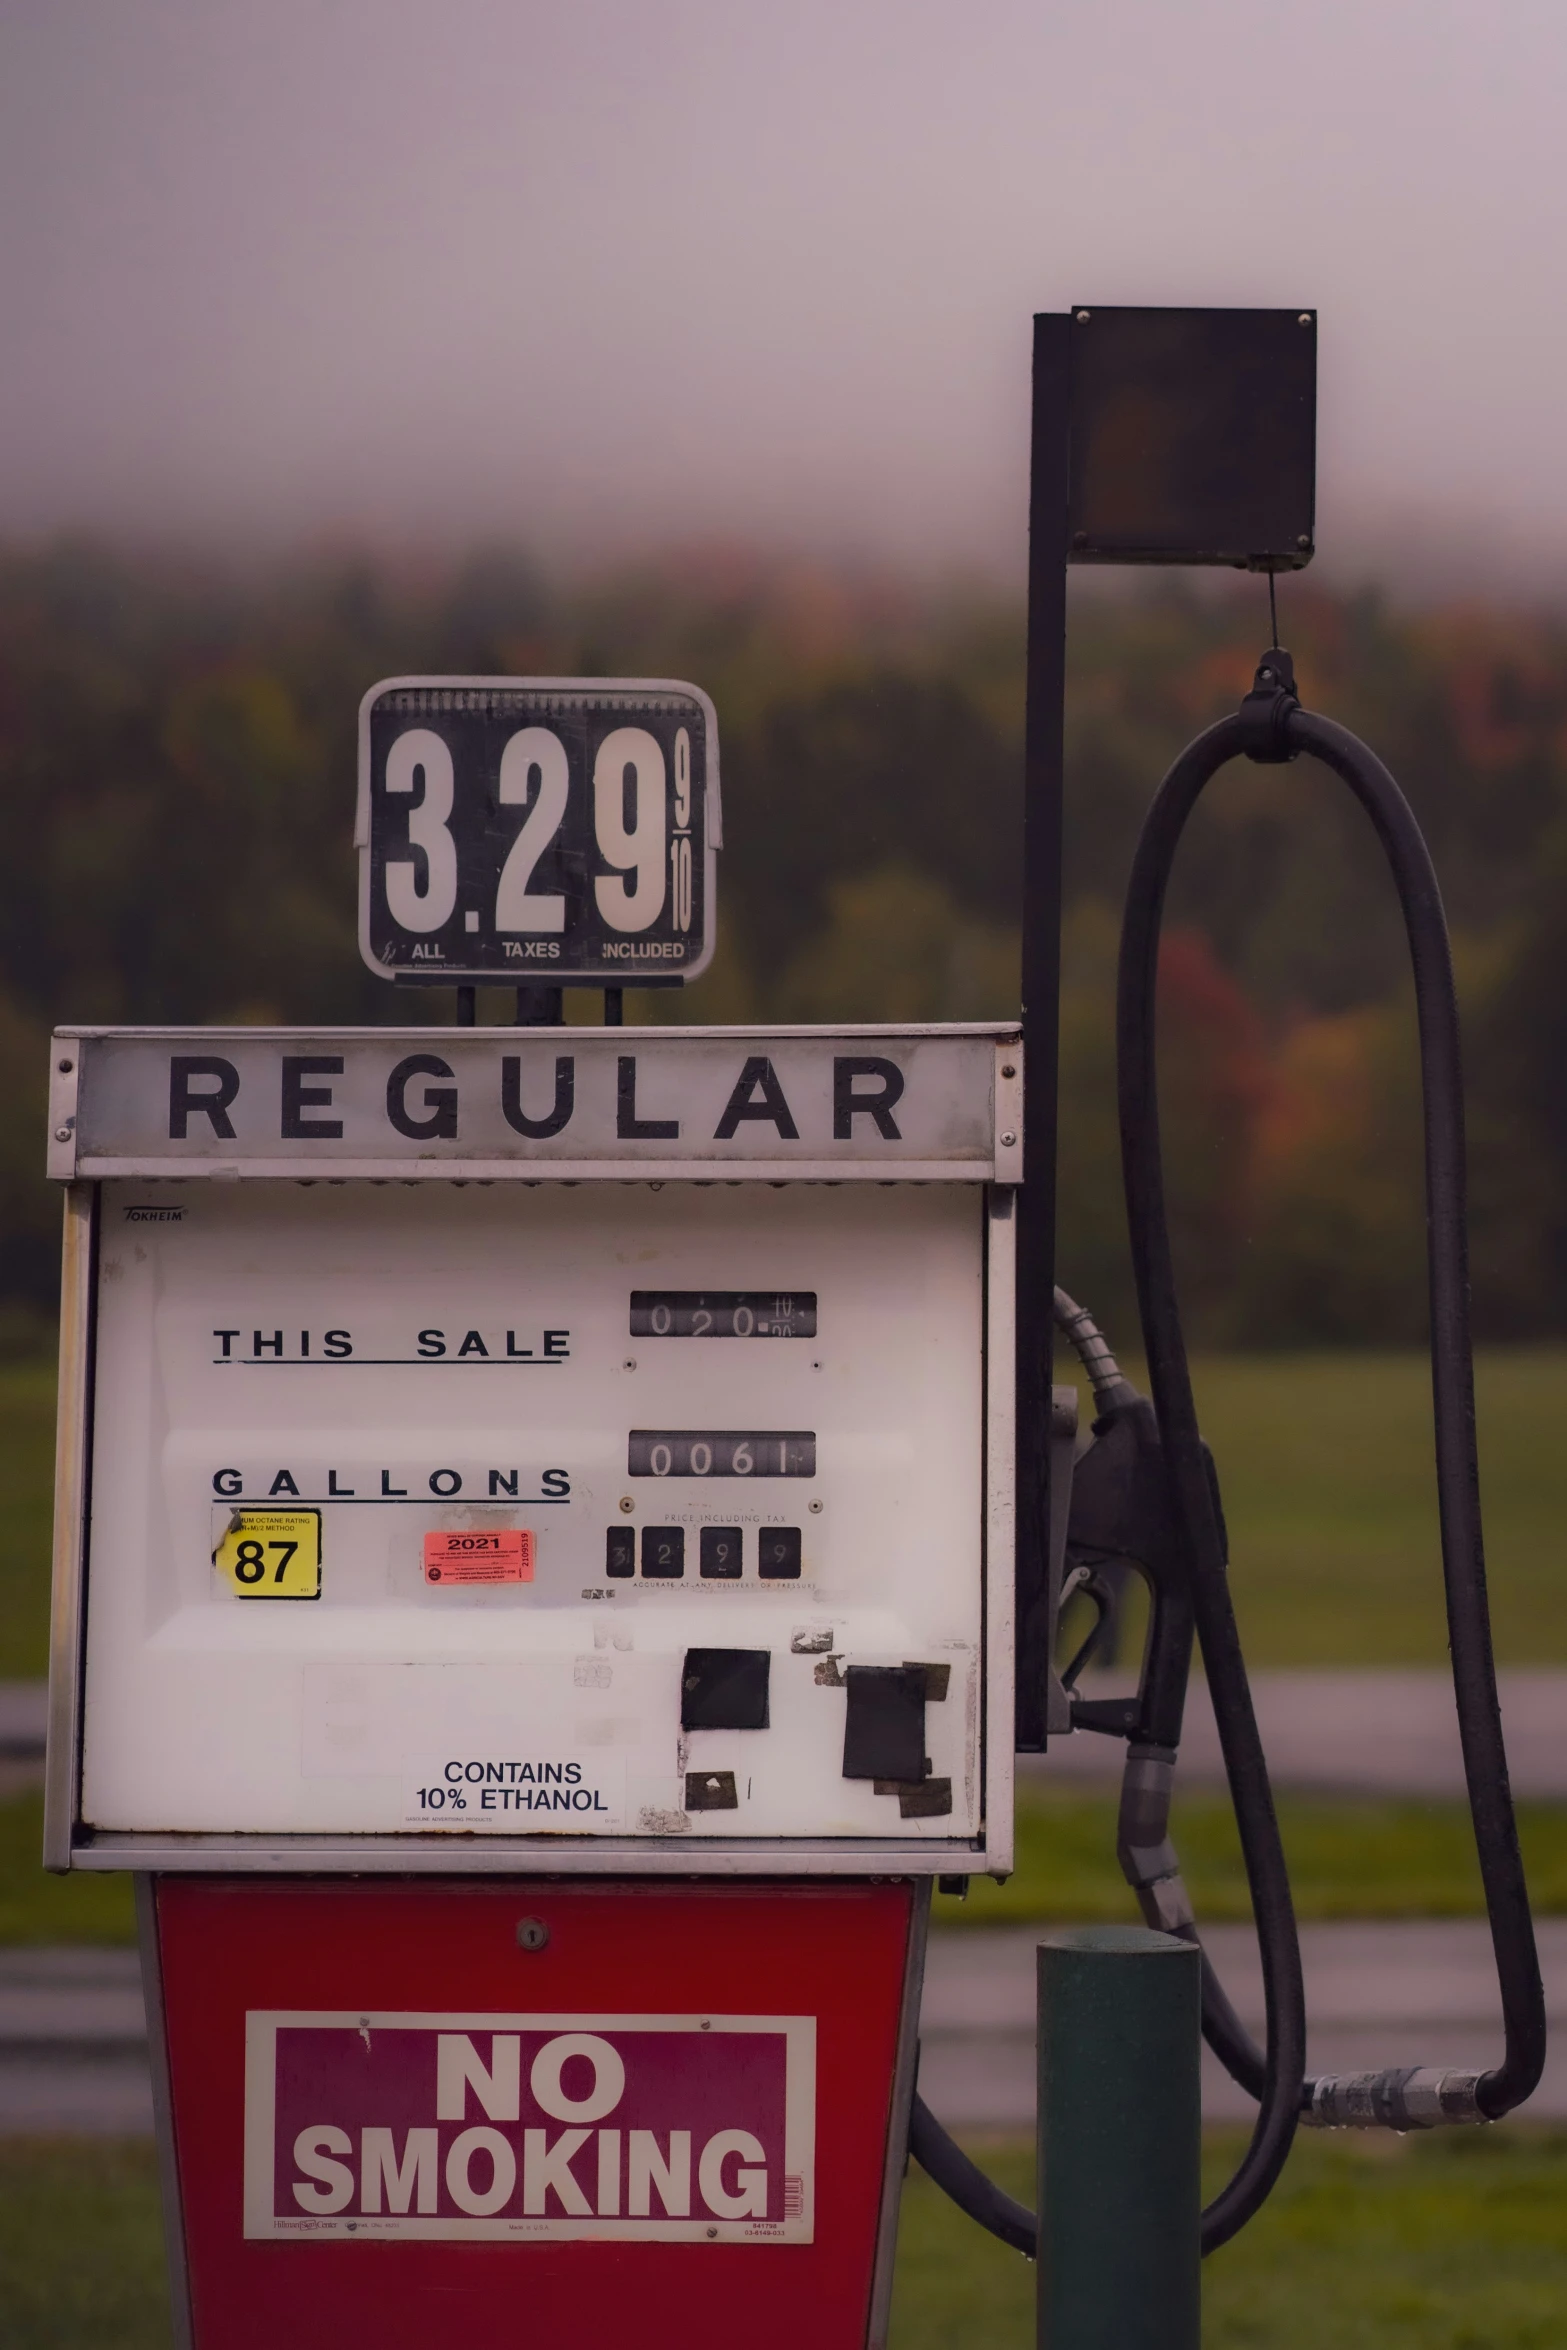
456, 2115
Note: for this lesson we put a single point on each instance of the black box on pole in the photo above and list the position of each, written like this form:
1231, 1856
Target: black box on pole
1193, 437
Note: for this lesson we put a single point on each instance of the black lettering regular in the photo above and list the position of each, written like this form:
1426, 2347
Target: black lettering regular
298, 1097
849, 1103
537, 1129
628, 1126
440, 1101
757, 1094
213, 1103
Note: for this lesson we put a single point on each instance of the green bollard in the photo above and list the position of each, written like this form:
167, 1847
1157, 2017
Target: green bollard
1120, 2140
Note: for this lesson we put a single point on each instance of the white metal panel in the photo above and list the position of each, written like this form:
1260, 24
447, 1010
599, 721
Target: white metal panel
72, 1436
208, 1714
999, 1373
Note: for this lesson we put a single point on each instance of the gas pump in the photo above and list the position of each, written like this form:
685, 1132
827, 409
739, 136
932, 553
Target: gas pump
534, 1576
560, 1533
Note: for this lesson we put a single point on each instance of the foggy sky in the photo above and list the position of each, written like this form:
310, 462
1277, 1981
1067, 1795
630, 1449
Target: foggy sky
600, 273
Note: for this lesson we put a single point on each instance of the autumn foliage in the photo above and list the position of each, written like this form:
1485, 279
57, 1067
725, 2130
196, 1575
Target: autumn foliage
177, 775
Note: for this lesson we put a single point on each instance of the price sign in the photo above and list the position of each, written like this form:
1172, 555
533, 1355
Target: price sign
271, 1554
534, 830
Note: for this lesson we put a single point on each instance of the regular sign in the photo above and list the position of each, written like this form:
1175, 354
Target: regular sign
776, 1104
537, 829
697, 2129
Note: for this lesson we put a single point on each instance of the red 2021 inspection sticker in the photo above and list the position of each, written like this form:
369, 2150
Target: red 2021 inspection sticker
502, 1556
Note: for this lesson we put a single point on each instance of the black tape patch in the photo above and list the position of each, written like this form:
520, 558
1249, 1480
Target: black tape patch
924, 1799
711, 1791
938, 1679
884, 1722
724, 1689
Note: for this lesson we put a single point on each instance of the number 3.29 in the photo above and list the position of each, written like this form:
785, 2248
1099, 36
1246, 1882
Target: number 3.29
630, 826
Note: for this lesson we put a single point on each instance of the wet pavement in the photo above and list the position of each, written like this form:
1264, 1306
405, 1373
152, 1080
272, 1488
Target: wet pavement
73, 2052
1404, 1994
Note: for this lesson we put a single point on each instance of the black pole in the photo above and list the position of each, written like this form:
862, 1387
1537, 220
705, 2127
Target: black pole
614, 1007
467, 1007
1042, 802
540, 1007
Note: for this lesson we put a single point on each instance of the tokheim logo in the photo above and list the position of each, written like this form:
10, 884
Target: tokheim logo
692, 2128
154, 1215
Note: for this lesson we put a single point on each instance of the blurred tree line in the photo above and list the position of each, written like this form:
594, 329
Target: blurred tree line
177, 754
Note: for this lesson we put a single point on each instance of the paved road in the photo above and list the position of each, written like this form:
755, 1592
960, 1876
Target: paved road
73, 2038
73, 2044
1383, 1733
23, 1714
1376, 1995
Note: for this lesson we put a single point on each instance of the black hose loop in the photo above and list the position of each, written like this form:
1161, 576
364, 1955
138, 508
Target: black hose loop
1452, 1386
1458, 1484
1191, 1489
965, 2183
1277, 2079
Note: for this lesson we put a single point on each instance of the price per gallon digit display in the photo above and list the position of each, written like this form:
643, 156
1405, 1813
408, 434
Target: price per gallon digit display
537, 830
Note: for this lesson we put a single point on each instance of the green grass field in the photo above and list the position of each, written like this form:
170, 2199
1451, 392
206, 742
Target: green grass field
1348, 1859
35, 1908
26, 1515
1326, 1466
1452, 2243
1448, 2243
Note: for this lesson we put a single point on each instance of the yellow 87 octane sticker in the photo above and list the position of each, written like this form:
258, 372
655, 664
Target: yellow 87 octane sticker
272, 1554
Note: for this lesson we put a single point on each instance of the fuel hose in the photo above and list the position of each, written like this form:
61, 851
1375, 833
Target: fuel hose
1271, 728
